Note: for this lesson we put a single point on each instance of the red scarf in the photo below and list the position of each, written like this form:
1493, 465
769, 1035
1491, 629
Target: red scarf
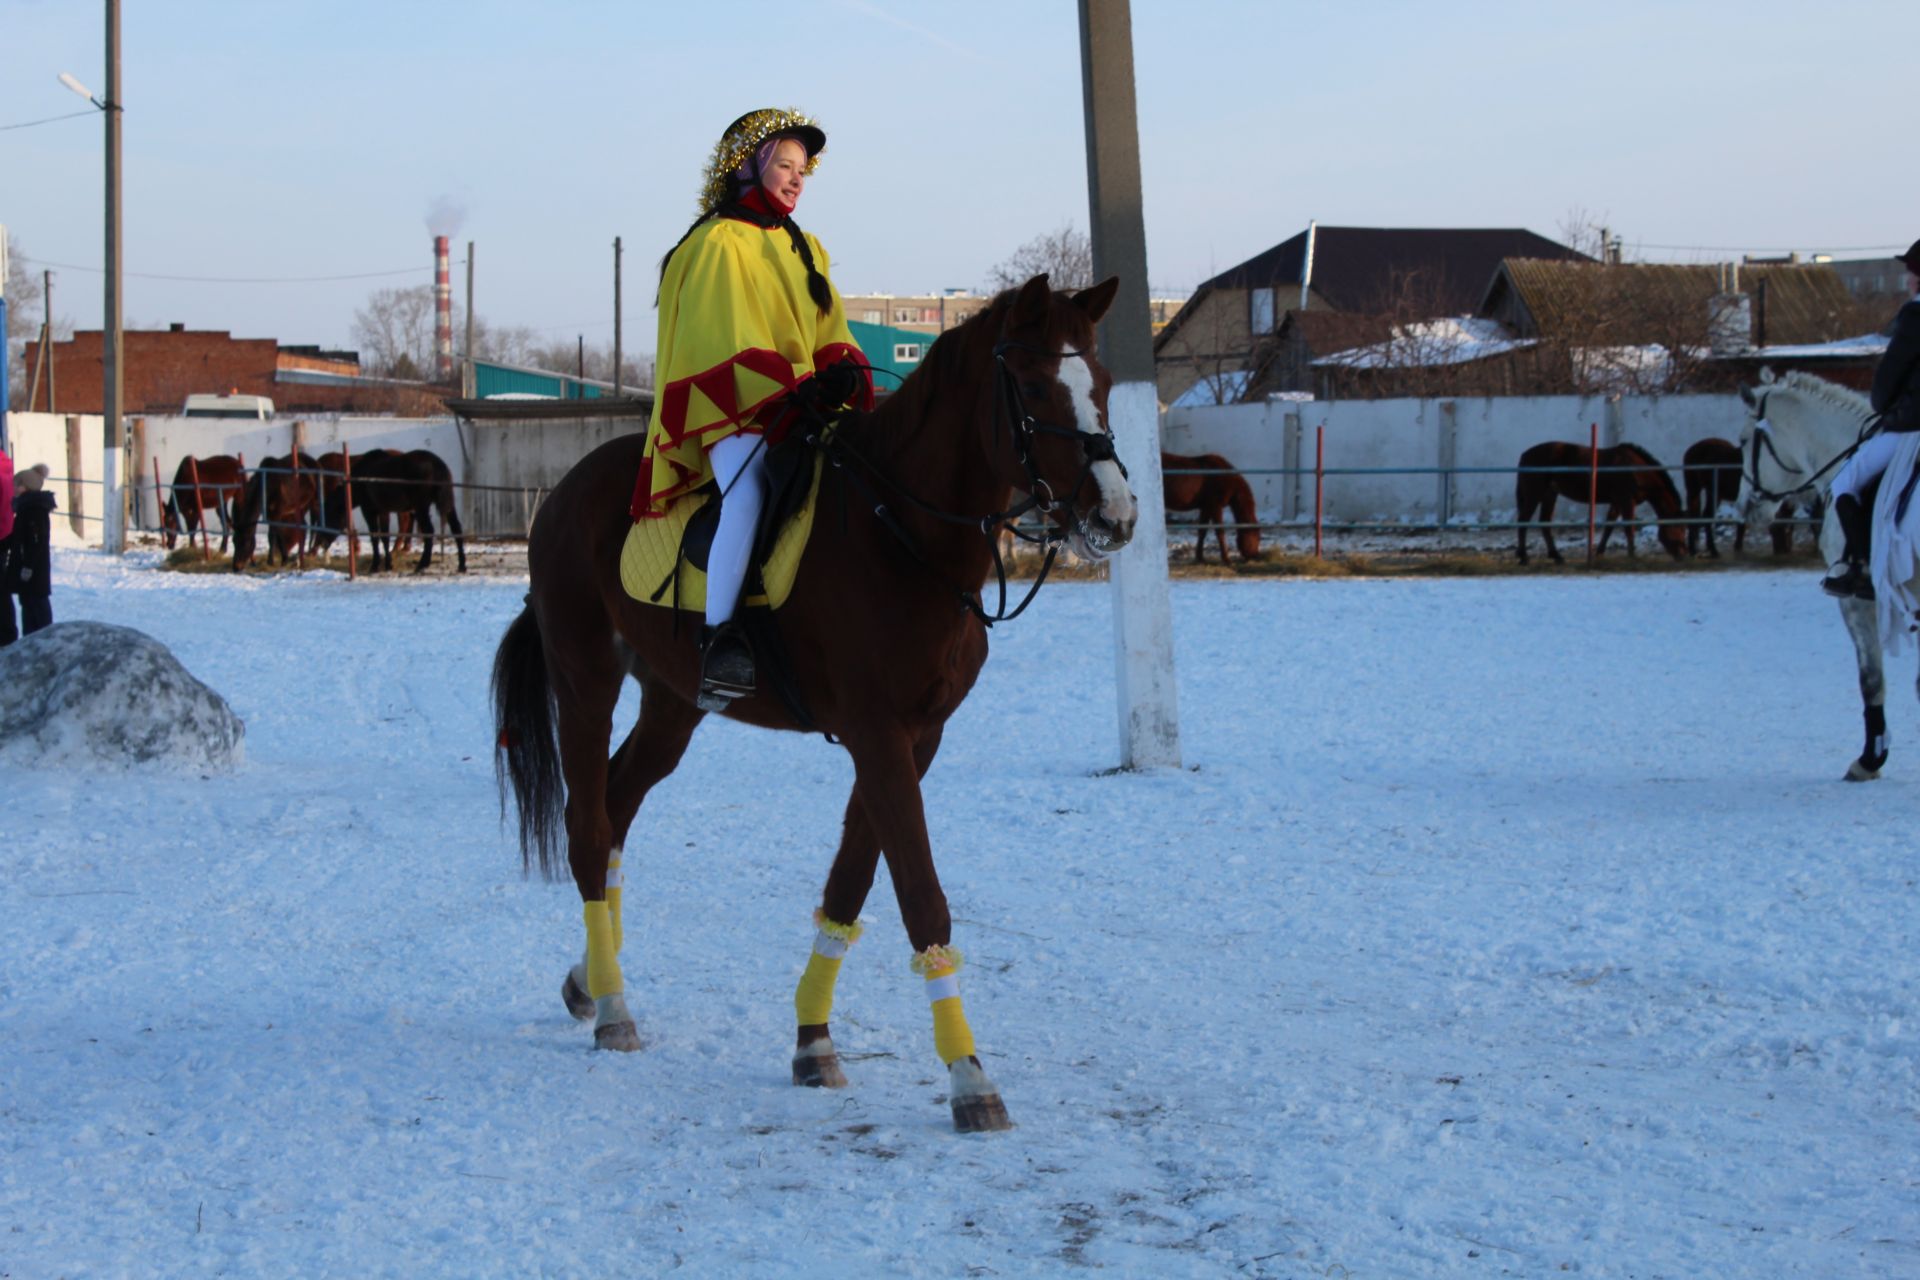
763, 202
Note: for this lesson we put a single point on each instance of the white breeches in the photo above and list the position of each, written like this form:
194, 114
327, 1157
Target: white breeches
1865, 466
740, 467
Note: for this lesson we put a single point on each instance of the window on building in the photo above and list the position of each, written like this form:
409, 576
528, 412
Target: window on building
906, 353
903, 315
1260, 310
873, 317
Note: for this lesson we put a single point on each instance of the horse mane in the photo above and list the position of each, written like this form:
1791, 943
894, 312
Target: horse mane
1812, 385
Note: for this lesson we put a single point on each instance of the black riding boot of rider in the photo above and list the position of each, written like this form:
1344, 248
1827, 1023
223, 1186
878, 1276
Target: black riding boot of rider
1855, 580
726, 666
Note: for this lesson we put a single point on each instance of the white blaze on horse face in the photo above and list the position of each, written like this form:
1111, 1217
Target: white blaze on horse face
1116, 499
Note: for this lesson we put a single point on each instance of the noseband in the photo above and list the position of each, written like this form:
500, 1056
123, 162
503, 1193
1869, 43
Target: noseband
1095, 446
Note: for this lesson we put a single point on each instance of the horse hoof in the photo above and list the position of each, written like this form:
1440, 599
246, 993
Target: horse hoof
579, 1003
1857, 772
976, 1101
982, 1114
622, 1037
818, 1071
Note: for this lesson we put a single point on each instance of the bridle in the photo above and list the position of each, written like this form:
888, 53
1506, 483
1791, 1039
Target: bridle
1763, 440
1023, 430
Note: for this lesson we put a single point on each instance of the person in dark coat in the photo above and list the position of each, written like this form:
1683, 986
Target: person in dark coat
1896, 398
28, 571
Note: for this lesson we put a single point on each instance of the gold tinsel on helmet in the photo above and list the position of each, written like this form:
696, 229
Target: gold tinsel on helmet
741, 141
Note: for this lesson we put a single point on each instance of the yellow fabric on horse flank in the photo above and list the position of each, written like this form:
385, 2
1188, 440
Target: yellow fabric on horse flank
652, 546
603, 959
813, 999
952, 1038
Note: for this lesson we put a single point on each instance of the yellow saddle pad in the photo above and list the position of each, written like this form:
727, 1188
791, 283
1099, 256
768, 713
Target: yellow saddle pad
653, 546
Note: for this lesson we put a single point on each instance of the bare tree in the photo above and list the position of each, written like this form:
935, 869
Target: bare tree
1066, 256
1580, 232
394, 331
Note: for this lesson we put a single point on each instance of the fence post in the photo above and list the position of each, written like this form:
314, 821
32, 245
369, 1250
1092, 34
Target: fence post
1319, 482
159, 503
300, 557
1449, 433
346, 489
1593, 481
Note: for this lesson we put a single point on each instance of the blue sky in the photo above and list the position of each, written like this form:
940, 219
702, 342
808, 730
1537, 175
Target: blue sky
272, 140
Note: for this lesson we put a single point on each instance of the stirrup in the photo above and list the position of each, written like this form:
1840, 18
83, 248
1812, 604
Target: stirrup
726, 667
1854, 584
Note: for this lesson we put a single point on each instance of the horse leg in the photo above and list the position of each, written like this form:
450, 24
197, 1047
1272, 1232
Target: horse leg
586, 685
450, 514
652, 750
423, 520
1547, 506
1200, 545
836, 928
1218, 521
1863, 625
889, 789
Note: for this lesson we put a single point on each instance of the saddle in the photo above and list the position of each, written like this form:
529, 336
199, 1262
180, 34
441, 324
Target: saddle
664, 560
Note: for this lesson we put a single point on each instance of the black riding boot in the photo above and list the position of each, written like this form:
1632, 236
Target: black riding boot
726, 666
1855, 580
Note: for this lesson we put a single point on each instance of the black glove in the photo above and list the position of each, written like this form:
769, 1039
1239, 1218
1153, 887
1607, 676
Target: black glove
835, 385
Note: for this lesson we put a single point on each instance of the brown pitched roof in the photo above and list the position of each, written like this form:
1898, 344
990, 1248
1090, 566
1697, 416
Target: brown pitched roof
1657, 302
1362, 268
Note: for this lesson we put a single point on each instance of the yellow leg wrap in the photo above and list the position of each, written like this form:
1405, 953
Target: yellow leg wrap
813, 1001
613, 904
952, 1038
603, 964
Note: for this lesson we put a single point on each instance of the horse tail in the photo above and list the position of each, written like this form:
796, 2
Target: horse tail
1246, 515
526, 749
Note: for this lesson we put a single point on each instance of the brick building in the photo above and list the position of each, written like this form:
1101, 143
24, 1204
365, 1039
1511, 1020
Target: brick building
162, 367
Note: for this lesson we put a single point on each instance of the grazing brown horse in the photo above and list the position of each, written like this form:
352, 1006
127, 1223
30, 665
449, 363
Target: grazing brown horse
1210, 494
1710, 474
412, 485
220, 477
333, 503
1628, 476
881, 638
287, 497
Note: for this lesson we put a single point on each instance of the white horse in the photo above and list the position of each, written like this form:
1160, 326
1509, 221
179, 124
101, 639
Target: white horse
1800, 429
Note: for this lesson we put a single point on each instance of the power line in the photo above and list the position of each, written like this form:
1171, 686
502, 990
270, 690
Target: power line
1747, 248
148, 275
28, 124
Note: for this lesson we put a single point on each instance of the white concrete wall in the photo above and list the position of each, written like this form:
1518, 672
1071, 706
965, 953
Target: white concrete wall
42, 437
1278, 436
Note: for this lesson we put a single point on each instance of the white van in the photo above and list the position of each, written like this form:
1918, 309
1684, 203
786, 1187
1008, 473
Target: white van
256, 408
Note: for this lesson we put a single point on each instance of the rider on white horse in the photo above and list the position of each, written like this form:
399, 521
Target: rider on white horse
1896, 398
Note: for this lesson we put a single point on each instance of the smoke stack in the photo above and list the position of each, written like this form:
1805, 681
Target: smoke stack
442, 314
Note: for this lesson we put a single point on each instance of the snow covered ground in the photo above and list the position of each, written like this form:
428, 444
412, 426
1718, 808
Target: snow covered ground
1510, 927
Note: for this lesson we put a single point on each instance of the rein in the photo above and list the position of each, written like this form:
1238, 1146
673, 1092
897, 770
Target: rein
1024, 428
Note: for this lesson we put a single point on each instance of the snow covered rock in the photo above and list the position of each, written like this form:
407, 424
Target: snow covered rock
87, 693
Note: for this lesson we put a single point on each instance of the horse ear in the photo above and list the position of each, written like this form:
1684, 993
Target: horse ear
1766, 373
1096, 300
1030, 304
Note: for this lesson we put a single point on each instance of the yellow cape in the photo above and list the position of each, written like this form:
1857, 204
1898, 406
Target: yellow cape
738, 330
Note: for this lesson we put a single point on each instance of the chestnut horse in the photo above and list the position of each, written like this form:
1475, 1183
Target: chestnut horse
286, 497
220, 477
1628, 476
1208, 483
879, 641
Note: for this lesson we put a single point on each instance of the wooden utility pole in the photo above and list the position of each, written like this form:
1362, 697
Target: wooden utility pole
46, 338
616, 317
470, 385
1142, 615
